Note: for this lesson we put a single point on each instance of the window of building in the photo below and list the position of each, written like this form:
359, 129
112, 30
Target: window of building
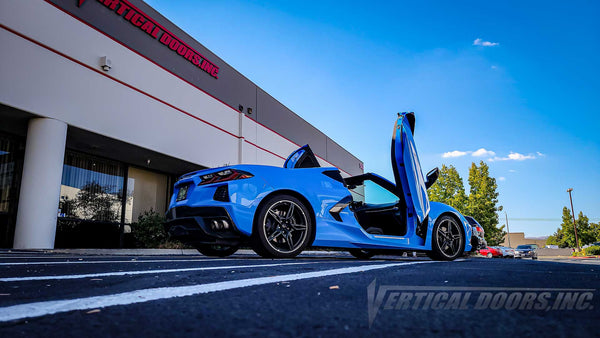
11, 162
90, 204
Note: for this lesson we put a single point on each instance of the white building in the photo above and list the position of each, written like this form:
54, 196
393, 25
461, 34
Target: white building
102, 97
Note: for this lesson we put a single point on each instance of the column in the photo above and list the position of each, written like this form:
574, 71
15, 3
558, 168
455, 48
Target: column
40, 184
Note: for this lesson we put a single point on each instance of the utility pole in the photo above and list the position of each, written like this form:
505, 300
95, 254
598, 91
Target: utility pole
574, 224
507, 230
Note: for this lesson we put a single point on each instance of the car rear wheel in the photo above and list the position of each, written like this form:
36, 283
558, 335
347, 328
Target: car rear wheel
448, 239
282, 227
214, 250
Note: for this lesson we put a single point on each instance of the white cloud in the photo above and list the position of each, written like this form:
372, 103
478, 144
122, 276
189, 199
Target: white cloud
512, 171
540, 154
483, 152
480, 42
494, 67
513, 157
520, 157
501, 178
454, 153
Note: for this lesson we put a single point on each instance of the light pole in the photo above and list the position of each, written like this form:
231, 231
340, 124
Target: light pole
507, 229
574, 225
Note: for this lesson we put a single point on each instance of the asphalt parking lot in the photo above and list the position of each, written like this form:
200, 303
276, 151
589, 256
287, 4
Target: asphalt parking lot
316, 294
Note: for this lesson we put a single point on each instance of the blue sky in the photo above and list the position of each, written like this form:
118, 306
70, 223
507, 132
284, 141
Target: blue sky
518, 79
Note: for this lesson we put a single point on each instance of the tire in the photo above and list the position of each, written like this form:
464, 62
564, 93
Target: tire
489, 255
282, 227
214, 250
361, 253
447, 240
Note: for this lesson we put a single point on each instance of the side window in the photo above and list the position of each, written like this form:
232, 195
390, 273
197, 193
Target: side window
376, 194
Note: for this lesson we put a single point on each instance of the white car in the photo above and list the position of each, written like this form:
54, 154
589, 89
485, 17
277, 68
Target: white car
507, 252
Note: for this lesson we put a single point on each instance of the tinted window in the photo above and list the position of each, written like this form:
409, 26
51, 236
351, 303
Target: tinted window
376, 194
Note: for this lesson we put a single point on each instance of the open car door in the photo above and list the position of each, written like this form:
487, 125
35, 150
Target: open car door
407, 168
303, 157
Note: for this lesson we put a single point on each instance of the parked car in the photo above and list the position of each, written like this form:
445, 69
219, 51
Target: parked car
507, 252
281, 211
490, 252
478, 238
526, 251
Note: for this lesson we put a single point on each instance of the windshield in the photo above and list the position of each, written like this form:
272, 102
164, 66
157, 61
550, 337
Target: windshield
524, 247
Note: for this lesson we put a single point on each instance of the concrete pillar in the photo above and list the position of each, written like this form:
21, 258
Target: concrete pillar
40, 184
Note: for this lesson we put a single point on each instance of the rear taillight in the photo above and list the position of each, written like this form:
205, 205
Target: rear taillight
224, 176
479, 229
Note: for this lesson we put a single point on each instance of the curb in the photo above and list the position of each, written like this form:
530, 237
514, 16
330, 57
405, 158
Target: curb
585, 257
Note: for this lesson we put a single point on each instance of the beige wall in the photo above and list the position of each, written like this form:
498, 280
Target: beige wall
518, 238
145, 191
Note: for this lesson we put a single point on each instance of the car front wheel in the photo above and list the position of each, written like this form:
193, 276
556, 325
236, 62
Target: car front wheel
448, 239
282, 227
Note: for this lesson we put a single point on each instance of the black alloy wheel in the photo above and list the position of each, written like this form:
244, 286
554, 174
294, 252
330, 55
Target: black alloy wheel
282, 227
448, 239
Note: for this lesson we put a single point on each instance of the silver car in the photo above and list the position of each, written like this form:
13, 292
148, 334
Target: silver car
526, 251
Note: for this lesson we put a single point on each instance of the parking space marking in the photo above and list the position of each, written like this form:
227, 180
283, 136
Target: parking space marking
39, 309
145, 272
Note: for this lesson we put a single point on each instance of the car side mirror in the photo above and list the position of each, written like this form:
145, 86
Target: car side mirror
432, 176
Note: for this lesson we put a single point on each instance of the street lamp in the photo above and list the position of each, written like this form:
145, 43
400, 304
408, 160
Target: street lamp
574, 225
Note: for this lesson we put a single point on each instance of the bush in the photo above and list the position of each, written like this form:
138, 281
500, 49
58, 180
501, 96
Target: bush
148, 231
592, 251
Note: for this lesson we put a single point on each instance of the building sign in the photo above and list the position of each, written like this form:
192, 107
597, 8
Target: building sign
149, 26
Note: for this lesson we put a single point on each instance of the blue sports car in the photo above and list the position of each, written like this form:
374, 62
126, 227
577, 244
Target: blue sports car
281, 211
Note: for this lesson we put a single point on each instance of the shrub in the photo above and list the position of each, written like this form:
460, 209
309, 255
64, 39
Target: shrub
592, 250
148, 231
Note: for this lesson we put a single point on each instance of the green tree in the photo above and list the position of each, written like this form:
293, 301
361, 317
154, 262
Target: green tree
449, 189
595, 230
483, 202
564, 236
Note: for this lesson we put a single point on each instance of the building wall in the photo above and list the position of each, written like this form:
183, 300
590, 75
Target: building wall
52, 69
518, 238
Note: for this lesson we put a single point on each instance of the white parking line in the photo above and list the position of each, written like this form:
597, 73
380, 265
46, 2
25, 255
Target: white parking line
143, 272
129, 261
22, 311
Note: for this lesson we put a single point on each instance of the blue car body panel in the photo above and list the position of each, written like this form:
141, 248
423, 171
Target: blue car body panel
320, 192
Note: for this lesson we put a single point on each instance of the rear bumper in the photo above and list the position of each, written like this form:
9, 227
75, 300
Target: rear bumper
202, 225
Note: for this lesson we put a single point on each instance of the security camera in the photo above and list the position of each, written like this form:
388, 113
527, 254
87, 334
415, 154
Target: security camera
105, 63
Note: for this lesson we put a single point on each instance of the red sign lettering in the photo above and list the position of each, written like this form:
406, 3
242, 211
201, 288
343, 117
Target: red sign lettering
149, 26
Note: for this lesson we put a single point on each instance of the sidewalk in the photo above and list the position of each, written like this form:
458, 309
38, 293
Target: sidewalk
152, 252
